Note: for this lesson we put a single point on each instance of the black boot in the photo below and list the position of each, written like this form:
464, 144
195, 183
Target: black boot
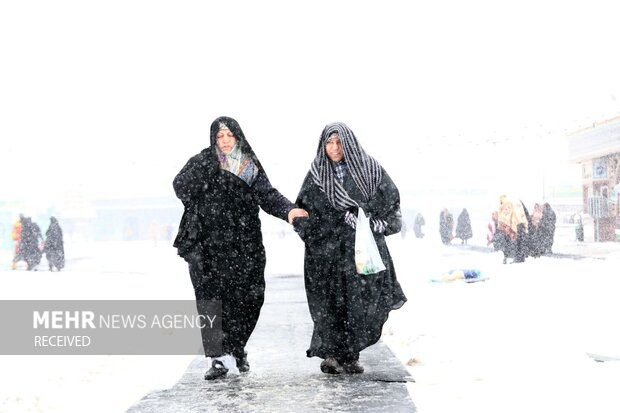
331, 366
352, 367
242, 363
217, 370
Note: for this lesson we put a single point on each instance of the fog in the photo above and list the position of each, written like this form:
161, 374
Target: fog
111, 99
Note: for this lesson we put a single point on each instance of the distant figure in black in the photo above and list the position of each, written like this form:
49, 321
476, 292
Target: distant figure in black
417, 226
446, 224
578, 221
54, 248
547, 228
463, 227
29, 245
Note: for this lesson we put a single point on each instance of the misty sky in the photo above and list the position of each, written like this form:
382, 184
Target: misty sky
113, 97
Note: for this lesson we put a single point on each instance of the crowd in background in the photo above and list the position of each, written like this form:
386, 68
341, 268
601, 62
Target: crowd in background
30, 245
512, 229
520, 234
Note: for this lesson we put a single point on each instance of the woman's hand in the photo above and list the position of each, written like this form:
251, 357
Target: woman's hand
296, 213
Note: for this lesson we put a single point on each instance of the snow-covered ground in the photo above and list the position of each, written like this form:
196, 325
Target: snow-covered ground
516, 342
97, 271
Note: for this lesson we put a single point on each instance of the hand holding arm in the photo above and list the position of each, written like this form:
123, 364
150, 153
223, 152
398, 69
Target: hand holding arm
296, 213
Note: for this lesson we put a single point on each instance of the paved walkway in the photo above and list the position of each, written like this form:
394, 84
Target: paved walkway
282, 378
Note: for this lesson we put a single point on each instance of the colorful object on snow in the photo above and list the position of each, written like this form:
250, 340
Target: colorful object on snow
467, 275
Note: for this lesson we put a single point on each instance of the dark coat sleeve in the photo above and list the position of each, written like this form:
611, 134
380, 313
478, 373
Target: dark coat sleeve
385, 205
189, 186
270, 199
191, 181
323, 221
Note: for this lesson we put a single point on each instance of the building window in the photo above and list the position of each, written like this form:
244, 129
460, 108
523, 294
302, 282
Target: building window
599, 169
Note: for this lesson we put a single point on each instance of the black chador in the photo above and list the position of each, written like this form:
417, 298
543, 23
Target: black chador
220, 233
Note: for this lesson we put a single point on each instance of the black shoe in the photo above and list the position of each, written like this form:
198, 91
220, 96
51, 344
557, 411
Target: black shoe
352, 367
217, 370
331, 366
242, 363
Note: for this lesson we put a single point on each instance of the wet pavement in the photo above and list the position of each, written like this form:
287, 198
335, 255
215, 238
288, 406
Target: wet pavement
282, 378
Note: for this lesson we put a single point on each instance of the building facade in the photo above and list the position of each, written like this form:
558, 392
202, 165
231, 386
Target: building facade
597, 149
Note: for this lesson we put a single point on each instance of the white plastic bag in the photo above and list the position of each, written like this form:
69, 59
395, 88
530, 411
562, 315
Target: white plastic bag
367, 257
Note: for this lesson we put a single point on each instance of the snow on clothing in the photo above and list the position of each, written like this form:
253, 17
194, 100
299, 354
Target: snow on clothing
348, 309
220, 235
463, 226
54, 246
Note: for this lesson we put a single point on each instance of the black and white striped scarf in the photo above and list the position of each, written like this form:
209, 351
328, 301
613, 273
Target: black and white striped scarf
365, 170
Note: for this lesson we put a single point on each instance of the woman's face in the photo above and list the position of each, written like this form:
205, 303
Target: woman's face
225, 140
333, 148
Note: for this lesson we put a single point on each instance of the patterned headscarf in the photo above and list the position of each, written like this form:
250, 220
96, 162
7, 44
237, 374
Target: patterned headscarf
510, 215
365, 170
238, 163
242, 160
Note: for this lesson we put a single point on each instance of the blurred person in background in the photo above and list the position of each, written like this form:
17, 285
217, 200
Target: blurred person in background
512, 227
417, 225
16, 235
54, 248
29, 248
536, 244
463, 226
446, 225
578, 221
491, 228
547, 228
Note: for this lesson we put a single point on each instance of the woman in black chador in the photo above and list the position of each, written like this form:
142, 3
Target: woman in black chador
463, 227
547, 228
29, 245
446, 224
222, 189
348, 309
54, 247
417, 226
